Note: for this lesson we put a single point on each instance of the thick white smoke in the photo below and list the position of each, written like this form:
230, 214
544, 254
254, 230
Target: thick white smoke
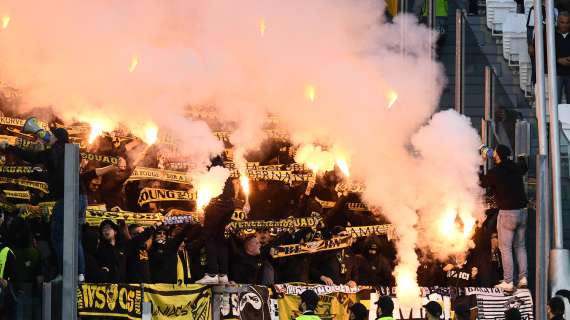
332, 70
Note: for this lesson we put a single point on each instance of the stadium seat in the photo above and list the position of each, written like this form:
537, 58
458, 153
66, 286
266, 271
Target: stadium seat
525, 71
514, 37
496, 13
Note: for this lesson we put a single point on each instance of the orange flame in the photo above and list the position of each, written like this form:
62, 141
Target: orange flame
96, 130
407, 288
343, 166
203, 197
150, 135
5, 21
310, 93
456, 229
392, 96
134, 64
244, 181
262, 27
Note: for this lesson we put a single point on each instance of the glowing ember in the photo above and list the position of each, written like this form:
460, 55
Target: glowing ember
244, 181
310, 93
5, 22
150, 135
392, 96
262, 27
343, 166
204, 195
96, 130
134, 64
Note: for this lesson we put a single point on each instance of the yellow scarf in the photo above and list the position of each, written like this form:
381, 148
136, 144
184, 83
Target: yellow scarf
182, 274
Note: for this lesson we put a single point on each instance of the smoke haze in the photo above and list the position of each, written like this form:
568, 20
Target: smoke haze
329, 69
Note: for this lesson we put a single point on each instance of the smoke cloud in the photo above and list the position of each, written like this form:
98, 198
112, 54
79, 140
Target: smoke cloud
333, 71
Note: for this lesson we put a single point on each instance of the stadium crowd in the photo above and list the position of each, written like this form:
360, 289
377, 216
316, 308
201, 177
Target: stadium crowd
114, 251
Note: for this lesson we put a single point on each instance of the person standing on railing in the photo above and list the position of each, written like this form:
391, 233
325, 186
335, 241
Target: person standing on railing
506, 183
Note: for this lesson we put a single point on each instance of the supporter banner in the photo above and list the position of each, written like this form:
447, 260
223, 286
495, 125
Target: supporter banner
331, 306
24, 195
319, 289
251, 303
148, 195
95, 217
492, 303
176, 216
15, 122
99, 158
38, 185
312, 247
20, 169
77, 130
269, 134
179, 302
141, 173
280, 176
353, 206
22, 143
109, 300
350, 187
20, 134
365, 231
283, 224
255, 166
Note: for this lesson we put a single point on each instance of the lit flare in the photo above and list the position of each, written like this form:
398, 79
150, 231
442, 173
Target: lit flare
244, 181
343, 166
262, 27
5, 22
96, 130
151, 135
310, 93
407, 288
134, 64
392, 96
203, 197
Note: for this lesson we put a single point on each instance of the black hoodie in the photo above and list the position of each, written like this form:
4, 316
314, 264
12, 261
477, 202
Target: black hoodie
164, 258
506, 183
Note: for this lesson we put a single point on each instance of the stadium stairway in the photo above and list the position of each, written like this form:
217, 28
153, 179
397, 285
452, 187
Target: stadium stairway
510, 101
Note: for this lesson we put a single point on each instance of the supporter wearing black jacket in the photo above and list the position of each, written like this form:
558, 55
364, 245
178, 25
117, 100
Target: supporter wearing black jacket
462, 273
93, 271
374, 267
216, 216
163, 255
506, 180
138, 270
293, 268
111, 252
249, 266
486, 256
506, 183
